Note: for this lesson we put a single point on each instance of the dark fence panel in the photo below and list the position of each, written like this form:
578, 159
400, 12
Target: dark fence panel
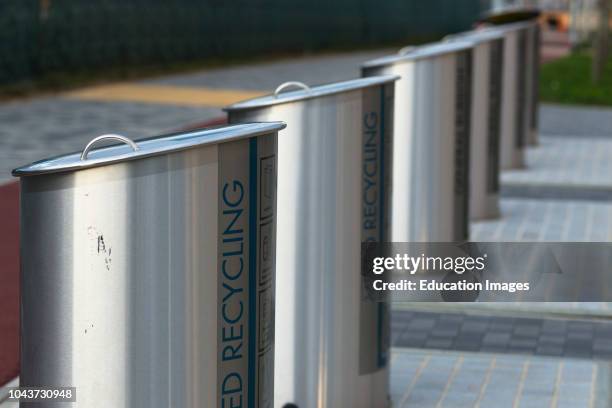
18, 40
44, 36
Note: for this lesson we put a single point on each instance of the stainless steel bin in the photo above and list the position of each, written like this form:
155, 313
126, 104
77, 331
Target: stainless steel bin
535, 44
487, 68
517, 95
431, 140
147, 274
331, 346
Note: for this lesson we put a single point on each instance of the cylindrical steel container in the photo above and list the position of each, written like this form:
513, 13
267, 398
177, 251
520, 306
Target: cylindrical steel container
487, 68
516, 91
530, 91
147, 270
331, 345
535, 42
431, 140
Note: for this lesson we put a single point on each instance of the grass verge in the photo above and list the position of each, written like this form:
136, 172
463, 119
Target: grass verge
568, 81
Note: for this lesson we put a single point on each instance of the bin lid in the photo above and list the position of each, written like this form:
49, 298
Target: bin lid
509, 27
305, 92
420, 52
153, 146
510, 15
477, 36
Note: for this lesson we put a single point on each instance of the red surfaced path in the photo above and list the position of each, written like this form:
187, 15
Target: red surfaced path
9, 282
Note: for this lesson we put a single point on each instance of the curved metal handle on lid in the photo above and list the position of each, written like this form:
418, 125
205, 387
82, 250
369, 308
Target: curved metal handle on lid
286, 85
119, 138
406, 50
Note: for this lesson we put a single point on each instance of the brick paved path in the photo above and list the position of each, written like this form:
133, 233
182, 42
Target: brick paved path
542, 336
567, 161
428, 379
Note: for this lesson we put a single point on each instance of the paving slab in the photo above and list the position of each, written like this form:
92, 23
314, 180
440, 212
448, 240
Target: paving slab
538, 220
566, 161
314, 69
423, 378
573, 339
575, 121
441, 379
40, 128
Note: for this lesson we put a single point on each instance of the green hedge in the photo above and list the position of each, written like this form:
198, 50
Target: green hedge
75, 36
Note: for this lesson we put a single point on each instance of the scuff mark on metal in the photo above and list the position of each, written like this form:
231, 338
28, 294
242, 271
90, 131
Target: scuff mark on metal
102, 247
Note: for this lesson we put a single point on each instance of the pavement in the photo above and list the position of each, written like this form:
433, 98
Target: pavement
448, 379
571, 160
467, 355
577, 338
428, 379
547, 220
590, 122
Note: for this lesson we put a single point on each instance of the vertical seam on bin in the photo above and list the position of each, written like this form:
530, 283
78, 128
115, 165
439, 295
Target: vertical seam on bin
252, 268
381, 186
382, 165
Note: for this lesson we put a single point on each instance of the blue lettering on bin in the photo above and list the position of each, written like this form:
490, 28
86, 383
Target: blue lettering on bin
233, 292
231, 391
370, 175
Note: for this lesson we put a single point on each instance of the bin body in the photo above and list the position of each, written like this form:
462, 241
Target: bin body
535, 48
331, 349
488, 67
528, 47
147, 276
517, 94
431, 141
